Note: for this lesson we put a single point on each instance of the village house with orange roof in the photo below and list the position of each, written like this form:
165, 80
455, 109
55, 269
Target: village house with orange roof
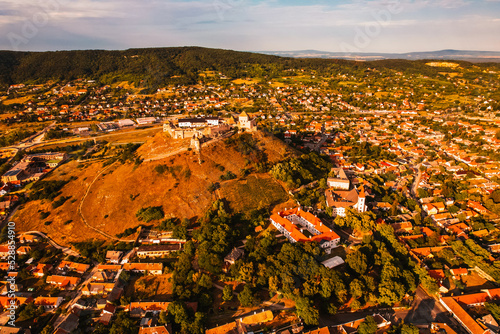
64, 282
5, 301
150, 268
49, 303
41, 269
79, 268
243, 325
156, 330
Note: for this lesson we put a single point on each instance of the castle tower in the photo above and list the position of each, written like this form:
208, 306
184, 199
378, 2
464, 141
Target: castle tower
195, 143
243, 118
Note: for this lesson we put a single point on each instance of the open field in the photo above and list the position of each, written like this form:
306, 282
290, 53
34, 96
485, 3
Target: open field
150, 287
22, 99
117, 138
245, 82
278, 84
209, 74
350, 83
256, 191
443, 64
35, 126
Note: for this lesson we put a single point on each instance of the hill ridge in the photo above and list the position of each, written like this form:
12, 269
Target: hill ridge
157, 67
111, 197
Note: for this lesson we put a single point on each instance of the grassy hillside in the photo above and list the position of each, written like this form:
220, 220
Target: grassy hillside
178, 184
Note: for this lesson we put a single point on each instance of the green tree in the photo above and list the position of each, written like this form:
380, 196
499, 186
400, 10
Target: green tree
125, 301
273, 284
368, 326
356, 288
122, 324
227, 293
124, 276
394, 208
453, 209
163, 318
178, 311
404, 328
246, 296
494, 309
357, 261
246, 272
205, 281
355, 305
363, 221
409, 329
47, 330
307, 311
422, 193
331, 309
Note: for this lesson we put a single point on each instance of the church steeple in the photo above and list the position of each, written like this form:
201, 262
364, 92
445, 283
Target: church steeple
361, 200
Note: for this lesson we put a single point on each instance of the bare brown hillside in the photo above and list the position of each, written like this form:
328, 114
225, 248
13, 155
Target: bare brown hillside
182, 189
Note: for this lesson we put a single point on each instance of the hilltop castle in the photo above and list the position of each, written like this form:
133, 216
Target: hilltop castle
244, 122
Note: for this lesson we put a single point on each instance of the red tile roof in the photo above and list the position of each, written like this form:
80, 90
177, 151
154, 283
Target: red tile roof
465, 319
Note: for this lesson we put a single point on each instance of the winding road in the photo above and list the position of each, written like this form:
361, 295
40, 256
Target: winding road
65, 250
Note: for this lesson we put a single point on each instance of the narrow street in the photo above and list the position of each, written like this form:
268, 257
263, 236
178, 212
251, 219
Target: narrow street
78, 293
416, 182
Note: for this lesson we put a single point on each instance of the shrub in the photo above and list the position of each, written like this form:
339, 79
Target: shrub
60, 201
228, 176
150, 213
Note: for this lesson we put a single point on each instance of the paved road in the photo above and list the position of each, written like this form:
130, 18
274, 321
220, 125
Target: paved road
87, 278
65, 250
425, 310
416, 182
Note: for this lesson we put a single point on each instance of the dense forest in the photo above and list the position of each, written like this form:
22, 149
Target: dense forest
155, 67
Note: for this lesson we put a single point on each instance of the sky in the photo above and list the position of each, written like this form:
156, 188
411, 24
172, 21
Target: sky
394, 26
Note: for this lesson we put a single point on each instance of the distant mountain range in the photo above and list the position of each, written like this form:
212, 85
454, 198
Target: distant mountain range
472, 56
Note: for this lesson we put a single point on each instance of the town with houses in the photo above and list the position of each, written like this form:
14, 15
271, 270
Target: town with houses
403, 157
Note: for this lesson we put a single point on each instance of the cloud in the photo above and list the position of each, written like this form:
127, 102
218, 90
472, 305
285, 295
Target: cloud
252, 24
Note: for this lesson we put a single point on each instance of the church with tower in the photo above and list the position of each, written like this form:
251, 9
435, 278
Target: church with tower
342, 195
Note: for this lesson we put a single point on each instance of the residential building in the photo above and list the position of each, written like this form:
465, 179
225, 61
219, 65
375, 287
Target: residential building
150, 268
49, 303
157, 250
301, 226
156, 330
64, 282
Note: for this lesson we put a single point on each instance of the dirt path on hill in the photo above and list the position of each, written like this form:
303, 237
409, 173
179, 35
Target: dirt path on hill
109, 236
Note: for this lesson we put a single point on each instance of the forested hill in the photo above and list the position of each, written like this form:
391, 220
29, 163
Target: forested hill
158, 64
170, 65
